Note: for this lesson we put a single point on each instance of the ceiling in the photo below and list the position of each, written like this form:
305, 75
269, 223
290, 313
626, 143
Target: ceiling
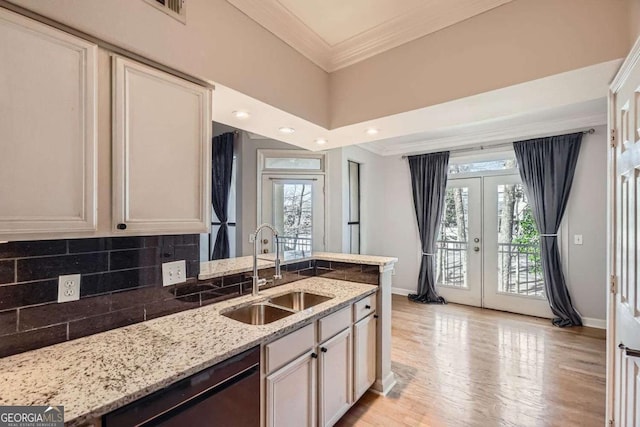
338, 33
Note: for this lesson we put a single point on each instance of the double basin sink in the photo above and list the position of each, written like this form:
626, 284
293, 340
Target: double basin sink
275, 308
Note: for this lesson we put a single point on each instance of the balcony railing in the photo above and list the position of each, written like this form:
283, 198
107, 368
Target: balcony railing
293, 243
519, 268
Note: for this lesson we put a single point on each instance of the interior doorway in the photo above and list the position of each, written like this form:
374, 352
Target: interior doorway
488, 248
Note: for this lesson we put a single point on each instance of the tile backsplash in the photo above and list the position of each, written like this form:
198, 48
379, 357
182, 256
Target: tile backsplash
121, 284
120, 278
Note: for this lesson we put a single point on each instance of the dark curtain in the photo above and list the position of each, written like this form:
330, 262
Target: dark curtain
547, 166
429, 183
220, 185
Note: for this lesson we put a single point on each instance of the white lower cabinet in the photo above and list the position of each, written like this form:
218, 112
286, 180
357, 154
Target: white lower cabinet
314, 375
364, 355
334, 383
291, 393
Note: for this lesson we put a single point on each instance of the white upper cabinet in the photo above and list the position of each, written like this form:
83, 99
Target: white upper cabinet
161, 151
47, 130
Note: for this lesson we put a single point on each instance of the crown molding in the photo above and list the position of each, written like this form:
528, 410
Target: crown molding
420, 22
426, 19
497, 134
277, 19
627, 66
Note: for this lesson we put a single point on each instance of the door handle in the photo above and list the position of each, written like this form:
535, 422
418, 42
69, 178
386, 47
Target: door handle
629, 352
476, 249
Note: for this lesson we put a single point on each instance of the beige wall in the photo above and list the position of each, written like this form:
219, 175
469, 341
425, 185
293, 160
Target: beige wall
514, 43
218, 43
634, 21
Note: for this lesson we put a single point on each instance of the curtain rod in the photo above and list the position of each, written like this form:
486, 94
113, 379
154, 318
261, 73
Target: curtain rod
485, 147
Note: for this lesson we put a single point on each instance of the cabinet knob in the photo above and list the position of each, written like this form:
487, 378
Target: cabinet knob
323, 349
314, 355
121, 226
368, 307
375, 316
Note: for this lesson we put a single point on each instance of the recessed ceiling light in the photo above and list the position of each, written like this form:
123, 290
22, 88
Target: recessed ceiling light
372, 131
241, 114
321, 141
287, 130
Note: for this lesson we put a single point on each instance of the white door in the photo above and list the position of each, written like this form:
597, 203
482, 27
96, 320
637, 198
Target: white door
295, 206
459, 256
488, 248
623, 320
291, 394
161, 152
335, 362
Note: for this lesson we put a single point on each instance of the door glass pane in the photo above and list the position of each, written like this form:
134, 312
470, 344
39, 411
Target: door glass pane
306, 163
451, 257
293, 215
482, 166
519, 268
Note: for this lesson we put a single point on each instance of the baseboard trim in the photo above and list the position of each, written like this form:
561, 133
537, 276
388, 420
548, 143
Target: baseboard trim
594, 323
401, 291
590, 322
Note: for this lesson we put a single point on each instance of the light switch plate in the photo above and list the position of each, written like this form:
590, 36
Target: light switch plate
174, 272
68, 287
577, 239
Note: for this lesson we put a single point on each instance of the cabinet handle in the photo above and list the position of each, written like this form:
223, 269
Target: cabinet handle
314, 355
323, 349
368, 307
121, 226
375, 316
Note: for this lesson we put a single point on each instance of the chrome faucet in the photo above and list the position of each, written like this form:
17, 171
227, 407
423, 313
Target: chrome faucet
257, 281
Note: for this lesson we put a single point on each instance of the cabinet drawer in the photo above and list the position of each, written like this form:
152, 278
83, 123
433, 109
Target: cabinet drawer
334, 323
289, 347
364, 307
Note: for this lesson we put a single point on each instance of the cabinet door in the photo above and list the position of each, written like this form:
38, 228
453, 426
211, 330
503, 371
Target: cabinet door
47, 130
335, 375
364, 355
291, 394
161, 151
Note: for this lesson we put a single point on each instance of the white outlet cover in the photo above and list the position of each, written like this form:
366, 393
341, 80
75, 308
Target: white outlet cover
577, 239
68, 288
174, 272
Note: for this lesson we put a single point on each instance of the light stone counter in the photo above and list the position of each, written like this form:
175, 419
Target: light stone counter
94, 375
218, 268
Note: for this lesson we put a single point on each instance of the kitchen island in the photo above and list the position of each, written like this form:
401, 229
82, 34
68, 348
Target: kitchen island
97, 374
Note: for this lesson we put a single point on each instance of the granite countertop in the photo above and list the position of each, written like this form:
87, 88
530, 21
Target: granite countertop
212, 269
94, 375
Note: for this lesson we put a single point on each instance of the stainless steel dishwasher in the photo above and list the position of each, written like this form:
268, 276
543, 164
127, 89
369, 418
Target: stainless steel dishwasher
226, 394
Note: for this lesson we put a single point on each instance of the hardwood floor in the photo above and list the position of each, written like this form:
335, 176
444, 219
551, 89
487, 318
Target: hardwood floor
465, 366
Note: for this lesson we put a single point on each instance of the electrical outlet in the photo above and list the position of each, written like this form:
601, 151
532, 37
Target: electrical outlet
577, 239
69, 288
174, 272
252, 238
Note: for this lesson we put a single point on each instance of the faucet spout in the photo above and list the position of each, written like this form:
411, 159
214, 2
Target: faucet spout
257, 281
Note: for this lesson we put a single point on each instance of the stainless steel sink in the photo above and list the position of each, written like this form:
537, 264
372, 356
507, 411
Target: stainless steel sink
299, 300
257, 314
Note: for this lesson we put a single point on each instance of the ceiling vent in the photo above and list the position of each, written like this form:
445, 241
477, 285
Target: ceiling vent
174, 8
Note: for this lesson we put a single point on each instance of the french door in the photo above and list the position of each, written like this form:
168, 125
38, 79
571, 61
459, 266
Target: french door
488, 250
